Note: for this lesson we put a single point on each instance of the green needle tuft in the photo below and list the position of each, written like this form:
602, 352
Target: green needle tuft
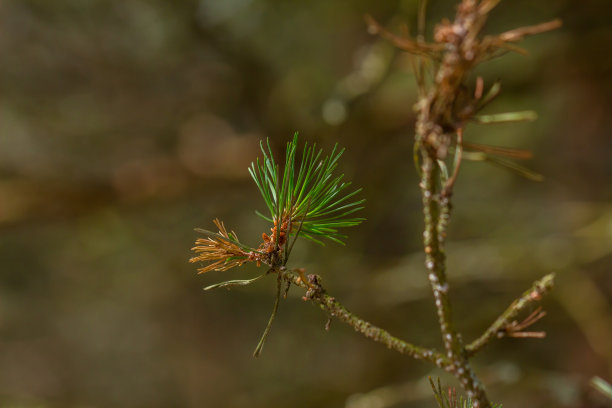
306, 192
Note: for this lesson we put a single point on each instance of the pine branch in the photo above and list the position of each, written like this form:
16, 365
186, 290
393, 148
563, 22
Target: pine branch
441, 115
437, 212
334, 309
305, 197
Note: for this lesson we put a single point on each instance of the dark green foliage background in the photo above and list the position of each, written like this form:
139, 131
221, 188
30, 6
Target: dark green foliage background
125, 124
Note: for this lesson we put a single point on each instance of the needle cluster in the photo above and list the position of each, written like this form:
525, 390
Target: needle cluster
305, 196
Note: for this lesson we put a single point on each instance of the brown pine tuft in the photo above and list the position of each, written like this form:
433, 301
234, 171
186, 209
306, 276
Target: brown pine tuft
222, 252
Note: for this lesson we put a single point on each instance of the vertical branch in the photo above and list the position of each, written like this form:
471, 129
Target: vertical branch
436, 209
434, 254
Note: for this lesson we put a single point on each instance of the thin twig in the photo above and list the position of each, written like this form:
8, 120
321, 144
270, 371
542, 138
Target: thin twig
260, 345
437, 212
533, 294
403, 43
317, 294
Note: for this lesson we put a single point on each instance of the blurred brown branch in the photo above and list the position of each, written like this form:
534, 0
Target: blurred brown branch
443, 109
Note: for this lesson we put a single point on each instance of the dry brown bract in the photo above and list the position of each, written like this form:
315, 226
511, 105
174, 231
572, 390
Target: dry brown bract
270, 242
223, 251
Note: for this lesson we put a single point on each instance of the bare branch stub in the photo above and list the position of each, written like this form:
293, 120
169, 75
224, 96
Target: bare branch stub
500, 326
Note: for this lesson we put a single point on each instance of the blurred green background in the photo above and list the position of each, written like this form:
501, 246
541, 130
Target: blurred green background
125, 124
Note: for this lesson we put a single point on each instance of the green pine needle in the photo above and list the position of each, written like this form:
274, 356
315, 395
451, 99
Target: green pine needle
448, 398
523, 116
237, 282
602, 386
306, 191
505, 164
